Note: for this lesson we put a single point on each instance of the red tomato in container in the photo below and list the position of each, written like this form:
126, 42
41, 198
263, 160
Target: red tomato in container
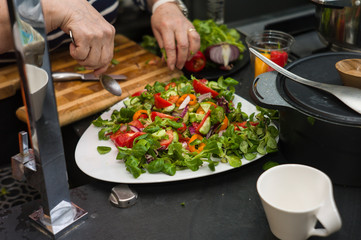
278, 57
197, 62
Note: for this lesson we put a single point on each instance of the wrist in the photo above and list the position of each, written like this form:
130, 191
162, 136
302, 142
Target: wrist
179, 4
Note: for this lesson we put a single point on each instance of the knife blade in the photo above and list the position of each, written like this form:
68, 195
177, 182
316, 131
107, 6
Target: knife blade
70, 76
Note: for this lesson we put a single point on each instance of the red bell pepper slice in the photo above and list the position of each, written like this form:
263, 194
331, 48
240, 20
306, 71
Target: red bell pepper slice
201, 88
182, 128
243, 124
203, 120
160, 102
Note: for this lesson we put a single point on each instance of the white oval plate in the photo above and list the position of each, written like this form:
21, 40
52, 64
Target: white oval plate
107, 168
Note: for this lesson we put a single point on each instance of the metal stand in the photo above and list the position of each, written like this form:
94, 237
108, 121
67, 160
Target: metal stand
43, 166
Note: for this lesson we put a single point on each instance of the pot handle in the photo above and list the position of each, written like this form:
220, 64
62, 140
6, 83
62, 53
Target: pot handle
264, 92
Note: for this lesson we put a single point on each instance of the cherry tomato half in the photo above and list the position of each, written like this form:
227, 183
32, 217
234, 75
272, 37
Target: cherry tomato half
197, 62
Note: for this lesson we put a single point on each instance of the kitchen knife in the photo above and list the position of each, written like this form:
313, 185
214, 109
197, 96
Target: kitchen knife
70, 76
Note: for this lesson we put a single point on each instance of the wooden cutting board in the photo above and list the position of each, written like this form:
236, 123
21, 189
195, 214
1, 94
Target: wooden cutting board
80, 99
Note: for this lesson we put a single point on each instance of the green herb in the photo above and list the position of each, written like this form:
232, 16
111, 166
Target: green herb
150, 43
80, 69
103, 149
114, 61
212, 33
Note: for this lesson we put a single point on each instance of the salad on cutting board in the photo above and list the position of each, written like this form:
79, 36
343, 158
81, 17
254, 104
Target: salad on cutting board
185, 124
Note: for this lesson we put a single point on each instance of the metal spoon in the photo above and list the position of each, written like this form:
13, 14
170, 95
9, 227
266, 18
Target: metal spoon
110, 85
107, 82
348, 95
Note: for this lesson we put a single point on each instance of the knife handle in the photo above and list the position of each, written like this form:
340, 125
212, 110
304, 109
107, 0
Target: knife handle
67, 76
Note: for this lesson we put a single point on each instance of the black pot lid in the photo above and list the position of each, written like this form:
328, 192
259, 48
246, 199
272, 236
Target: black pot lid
314, 102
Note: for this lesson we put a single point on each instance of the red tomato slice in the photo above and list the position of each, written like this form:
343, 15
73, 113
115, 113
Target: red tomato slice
160, 102
166, 142
138, 93
201, 88
197, 62
161, 115
126, 139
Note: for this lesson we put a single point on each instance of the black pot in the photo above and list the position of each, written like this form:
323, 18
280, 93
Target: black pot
316, 129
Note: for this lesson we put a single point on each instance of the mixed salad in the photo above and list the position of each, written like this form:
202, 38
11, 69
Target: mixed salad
186, 124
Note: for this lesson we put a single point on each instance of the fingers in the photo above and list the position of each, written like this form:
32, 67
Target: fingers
194, 42
93, 49
182, 48
170, 28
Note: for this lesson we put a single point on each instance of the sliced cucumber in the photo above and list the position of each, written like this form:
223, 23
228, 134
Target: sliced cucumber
206, 126
169, 109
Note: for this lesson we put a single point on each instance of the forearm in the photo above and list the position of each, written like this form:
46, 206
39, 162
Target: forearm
6, 40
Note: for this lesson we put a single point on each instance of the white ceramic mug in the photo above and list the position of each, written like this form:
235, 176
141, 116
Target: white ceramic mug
294, 197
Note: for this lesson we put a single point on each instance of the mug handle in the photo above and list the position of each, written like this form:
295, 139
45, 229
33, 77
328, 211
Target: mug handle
329, 217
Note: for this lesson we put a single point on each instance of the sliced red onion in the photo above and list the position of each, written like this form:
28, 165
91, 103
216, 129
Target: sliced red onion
204, 96
184, 112
222, 53
185, 102
184, 144
192, 130
134, 129
149, 158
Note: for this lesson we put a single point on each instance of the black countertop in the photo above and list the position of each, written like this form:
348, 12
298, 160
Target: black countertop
221, 206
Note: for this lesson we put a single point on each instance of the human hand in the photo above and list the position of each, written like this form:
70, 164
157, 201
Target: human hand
175, 33
93, 35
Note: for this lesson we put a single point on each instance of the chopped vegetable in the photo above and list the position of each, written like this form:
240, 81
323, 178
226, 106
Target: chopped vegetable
193, 143
103, 149
197, 62
192, 99
222, 53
